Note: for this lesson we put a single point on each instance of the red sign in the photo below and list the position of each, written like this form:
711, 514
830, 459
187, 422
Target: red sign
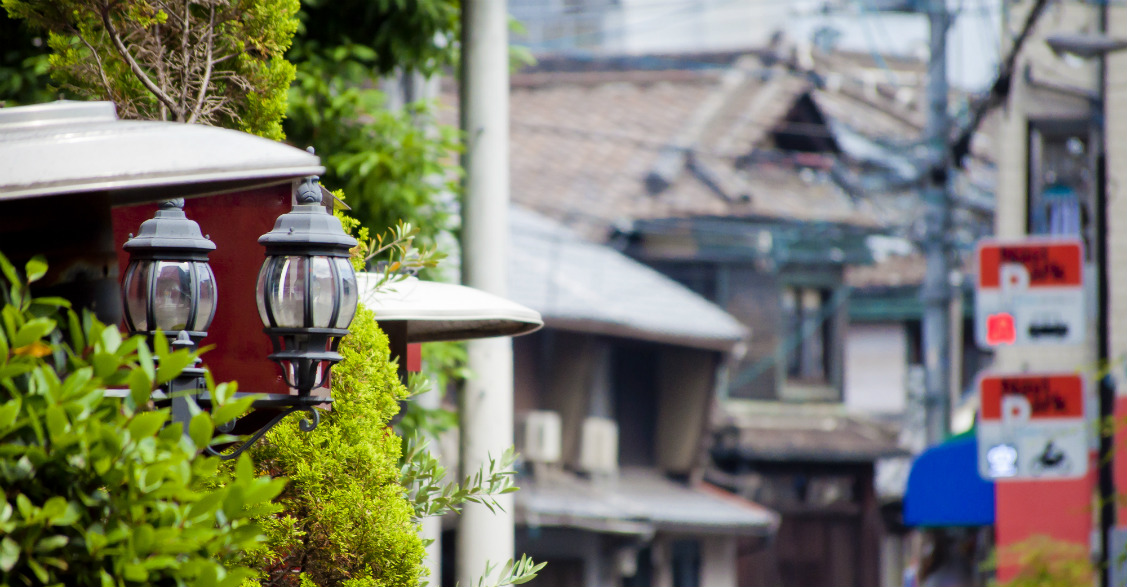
1000, 329
1049, 264
1049, 396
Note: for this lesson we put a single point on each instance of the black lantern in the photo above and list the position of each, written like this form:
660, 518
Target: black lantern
307, 289
168, 284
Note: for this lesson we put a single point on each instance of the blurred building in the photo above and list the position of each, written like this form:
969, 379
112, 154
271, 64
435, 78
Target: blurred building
614, 399
757, 180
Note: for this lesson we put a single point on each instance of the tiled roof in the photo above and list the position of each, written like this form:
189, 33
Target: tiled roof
583, 146
773, 431
587, 142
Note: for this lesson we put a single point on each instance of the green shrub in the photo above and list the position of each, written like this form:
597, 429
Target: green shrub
1042, 561
102, 491
345, 517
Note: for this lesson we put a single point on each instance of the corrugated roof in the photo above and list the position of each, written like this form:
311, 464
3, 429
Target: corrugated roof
639, 501
582, 286
81, 147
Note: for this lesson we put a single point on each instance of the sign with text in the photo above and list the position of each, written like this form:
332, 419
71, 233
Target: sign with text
1032, 426
1030, 292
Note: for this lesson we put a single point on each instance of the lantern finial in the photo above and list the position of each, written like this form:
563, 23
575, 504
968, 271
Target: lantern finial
309, 191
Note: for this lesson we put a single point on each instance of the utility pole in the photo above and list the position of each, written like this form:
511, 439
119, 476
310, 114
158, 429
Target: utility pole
936, 292
486, 402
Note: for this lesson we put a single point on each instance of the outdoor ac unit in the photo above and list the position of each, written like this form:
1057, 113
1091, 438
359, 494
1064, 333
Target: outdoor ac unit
598, 446
541, 437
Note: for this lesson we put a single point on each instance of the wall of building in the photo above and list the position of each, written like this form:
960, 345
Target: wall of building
876, 367
753, 298
686, 384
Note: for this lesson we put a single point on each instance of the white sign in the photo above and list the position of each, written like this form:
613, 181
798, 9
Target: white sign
1032, 427
1030, 292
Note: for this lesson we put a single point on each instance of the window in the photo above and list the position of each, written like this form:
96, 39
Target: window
1061, 179
686, 559
806, 323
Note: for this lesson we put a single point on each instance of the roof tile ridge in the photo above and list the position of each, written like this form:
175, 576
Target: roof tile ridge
671, 161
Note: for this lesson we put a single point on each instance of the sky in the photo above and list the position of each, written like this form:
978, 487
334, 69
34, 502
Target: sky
664, 26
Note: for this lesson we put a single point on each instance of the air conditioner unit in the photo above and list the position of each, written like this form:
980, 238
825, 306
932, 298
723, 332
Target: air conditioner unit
598, 446
541, 437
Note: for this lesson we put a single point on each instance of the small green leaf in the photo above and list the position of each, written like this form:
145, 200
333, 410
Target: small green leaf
40, 572
55, 302
146, 424
77, 336
145, 360
9, 554
200, 429
172, 365
51, 543
8, 412
57, 423
32, 331
35, 269
140, 386
110, 339
9, 271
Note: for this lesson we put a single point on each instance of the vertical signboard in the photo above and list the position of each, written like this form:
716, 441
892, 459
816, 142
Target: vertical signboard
1030, 292
1032, 427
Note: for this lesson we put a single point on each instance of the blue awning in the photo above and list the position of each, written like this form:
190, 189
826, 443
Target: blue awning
945, 489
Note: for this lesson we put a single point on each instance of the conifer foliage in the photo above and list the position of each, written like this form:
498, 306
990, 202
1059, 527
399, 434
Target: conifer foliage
218, 62
345, 519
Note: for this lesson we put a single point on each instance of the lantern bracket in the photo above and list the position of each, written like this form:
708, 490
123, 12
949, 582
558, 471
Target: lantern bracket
289, 404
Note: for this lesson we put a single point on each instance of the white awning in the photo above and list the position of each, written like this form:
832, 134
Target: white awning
639, 501
444, 311
81, 147
586, 287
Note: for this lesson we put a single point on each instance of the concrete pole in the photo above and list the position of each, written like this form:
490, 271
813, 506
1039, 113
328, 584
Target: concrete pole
936, 291
1105, 472
486, 403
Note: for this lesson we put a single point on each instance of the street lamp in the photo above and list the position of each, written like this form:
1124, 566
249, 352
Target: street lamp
168, 284
306, 295
306, 289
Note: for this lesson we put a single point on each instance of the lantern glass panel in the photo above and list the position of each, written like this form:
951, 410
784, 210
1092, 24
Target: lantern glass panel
281, 286
205, 312
137, 295
323, 290
348, 292
172, 300
260, 290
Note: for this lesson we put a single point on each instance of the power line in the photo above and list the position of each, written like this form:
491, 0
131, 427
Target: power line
999, 90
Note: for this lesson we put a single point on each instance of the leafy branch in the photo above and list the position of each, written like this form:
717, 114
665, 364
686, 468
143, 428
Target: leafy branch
397, 244
430, 495
522, 571
218, 62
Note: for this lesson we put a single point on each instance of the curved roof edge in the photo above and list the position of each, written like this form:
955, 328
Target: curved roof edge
444, 311
70, 147
589, 287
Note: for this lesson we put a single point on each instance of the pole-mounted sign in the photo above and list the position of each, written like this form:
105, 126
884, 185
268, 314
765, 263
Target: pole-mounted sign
1032, 427
1030, 292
